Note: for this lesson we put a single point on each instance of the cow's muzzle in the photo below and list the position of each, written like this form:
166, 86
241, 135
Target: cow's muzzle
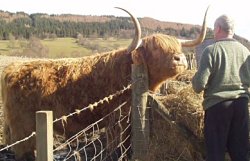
180, 60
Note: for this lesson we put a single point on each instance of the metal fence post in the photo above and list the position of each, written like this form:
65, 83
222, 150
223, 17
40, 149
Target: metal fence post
44, 135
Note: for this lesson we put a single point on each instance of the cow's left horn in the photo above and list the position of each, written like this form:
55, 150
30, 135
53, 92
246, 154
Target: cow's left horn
191, 43
136, 40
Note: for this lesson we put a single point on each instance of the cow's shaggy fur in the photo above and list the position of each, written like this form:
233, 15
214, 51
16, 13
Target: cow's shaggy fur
67, 84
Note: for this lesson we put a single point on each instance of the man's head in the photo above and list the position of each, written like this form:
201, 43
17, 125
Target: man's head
223, 27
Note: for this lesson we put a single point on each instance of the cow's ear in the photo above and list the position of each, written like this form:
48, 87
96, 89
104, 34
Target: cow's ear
137, 56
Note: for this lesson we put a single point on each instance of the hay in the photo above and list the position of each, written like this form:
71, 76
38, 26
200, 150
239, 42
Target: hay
185, 108
180, 138
185, 76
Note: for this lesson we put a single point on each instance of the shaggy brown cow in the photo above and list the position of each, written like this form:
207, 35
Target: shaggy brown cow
66, 84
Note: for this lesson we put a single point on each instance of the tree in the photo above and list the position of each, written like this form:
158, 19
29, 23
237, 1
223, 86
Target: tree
35, 49
183, 32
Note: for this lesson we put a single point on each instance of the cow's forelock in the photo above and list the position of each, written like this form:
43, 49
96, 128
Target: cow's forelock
162, 54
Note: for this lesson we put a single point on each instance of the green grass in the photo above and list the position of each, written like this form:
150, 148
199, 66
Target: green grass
66, 47
112, 43
4, 47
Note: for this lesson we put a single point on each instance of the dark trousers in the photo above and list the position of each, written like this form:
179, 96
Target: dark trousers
226, 129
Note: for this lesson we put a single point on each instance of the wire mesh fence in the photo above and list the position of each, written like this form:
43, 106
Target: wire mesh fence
98, 144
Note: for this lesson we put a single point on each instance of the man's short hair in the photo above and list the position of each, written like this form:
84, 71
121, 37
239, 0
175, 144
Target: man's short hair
226, 23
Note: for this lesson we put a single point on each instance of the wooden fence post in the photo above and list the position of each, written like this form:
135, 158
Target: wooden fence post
44, 135
140, 114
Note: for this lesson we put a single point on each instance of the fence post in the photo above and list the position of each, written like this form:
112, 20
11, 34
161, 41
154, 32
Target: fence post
140, 114
44, 135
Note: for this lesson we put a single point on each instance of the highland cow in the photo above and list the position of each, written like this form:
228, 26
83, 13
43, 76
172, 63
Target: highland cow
63, 85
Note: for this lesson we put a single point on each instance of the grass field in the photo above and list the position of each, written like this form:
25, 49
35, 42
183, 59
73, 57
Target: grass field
65, 47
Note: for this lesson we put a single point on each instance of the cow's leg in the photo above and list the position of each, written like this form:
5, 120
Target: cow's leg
6, 134
20, 128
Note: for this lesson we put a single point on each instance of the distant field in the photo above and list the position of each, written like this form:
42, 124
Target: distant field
4, 47
66, 47
63, 47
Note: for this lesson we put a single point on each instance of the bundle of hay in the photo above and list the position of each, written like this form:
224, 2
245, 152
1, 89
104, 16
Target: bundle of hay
180, 135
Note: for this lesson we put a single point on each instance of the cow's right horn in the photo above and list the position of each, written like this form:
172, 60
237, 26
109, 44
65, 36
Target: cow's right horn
137, 38
191, 43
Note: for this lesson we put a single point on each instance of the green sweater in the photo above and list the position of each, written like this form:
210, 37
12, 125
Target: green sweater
224, 72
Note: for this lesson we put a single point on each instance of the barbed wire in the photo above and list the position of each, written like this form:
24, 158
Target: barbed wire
92, 106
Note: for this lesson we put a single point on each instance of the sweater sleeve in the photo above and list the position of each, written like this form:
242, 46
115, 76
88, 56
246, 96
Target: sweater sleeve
201, 77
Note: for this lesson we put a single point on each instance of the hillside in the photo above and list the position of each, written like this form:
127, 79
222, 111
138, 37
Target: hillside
146, 22
23, 25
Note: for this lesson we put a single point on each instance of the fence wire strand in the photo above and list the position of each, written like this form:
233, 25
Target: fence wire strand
20, 141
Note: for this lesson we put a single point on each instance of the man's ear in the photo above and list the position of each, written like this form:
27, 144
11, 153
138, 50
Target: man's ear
137, 56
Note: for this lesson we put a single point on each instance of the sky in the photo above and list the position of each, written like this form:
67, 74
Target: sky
181, 11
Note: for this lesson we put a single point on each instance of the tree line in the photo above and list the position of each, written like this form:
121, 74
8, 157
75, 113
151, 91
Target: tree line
37, 25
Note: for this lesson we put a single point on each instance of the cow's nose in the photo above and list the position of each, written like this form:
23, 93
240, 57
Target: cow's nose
181, 60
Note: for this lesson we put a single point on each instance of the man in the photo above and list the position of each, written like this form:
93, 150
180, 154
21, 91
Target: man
224, 76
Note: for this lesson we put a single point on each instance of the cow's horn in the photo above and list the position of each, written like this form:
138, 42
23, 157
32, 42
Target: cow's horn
191, 43
136, 41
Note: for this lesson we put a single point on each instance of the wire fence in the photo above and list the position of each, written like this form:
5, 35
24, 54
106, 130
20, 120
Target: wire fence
94, 142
